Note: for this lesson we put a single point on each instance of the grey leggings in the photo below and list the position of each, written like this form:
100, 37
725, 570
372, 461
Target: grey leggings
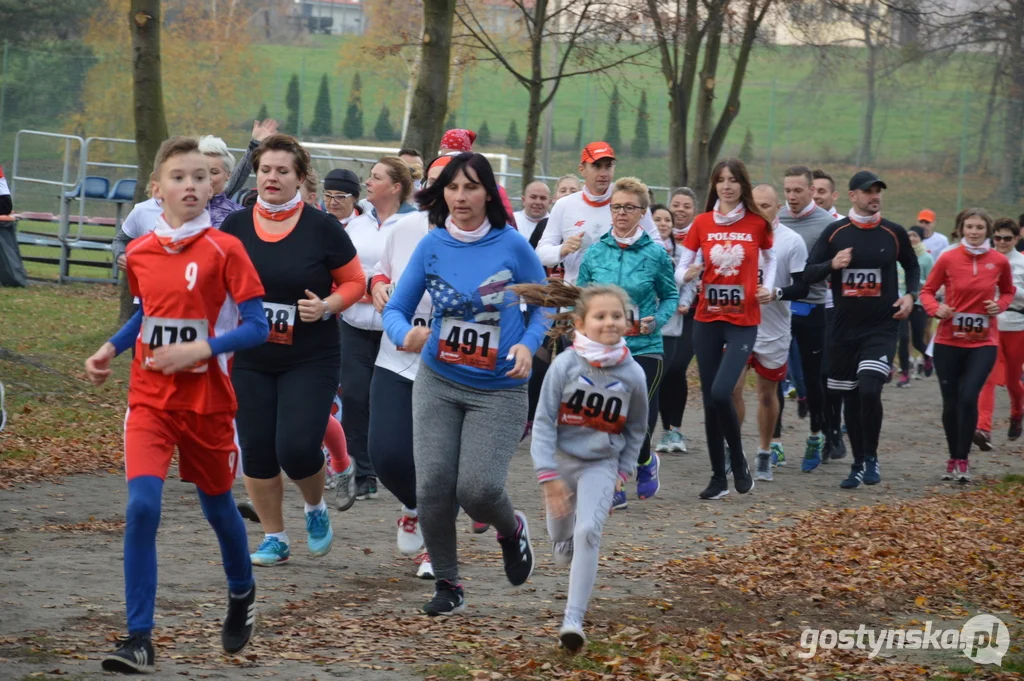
463, 441
592, 484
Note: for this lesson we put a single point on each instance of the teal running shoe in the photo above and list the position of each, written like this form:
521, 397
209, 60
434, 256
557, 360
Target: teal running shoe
319, 535
271, 552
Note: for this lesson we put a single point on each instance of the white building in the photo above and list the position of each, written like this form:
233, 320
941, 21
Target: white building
331, 17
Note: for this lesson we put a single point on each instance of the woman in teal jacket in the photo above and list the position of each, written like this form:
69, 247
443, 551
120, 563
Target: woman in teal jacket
630, 259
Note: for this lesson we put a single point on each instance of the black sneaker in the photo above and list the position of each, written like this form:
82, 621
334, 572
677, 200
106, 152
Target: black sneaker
134, 655
248, 511
741, 477
716, 489
366, 489
517, 553
1016, 425
801, 408
238, 623
983, 439
448, 599
838, 449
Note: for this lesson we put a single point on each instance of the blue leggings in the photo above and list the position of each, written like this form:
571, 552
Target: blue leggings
142, 520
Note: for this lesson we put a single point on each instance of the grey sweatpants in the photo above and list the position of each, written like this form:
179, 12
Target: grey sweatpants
463, 441
592, 484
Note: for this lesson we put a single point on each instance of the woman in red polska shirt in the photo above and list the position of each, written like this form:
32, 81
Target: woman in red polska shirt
979, 286
731, 235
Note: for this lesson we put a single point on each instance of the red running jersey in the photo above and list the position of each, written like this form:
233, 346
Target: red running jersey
730, 252
188, 296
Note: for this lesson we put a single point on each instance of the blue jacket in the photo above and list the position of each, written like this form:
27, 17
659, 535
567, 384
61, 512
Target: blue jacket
644, 270
468, 282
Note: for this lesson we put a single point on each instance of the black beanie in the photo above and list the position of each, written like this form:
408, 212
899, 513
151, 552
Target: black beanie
918, 231
342, 180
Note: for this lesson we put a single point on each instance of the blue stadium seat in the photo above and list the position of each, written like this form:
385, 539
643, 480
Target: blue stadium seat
123, 191
95, 188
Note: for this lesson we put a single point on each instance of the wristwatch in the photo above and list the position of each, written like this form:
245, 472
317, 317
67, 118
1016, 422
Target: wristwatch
327, 311
778, 294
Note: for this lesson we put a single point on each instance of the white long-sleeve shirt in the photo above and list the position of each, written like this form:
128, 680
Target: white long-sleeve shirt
399, 246
572, 215
1012, 320
368, 238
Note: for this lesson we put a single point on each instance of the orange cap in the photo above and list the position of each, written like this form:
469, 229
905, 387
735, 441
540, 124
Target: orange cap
926, 214
595, 151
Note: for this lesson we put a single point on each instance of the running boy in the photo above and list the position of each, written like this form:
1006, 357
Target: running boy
590, 422
200, 303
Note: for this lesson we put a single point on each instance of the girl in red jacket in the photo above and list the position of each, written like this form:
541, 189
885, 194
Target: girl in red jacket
979, 286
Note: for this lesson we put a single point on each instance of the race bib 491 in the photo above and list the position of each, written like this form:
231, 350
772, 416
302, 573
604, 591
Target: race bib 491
469, 344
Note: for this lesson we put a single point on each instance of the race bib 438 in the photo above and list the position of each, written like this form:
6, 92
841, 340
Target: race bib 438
282, 322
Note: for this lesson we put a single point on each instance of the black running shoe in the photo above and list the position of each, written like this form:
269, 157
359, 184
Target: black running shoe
366, 489
1016, 426
518, 553
742, 480
716, 489
248, 511
238, 623
801, 408
838, 447
134, 655
448, 599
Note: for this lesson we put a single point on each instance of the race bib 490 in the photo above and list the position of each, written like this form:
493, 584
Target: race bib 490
469, 344
588, 406
160, 331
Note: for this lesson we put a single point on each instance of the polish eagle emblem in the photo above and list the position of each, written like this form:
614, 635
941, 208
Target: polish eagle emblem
727, 259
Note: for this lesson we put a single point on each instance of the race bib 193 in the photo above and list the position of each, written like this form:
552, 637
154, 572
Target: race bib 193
862, 283
160, 331
588, 406
724, 298
971, 327
469, 344
282, 322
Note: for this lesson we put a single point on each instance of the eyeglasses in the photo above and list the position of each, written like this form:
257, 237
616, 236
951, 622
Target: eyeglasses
626, 208
1004, 239
336, 197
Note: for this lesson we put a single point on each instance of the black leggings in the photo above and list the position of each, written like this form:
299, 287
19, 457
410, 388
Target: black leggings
912, 328
390, 439
282, 418
863, 410
719, 373
674, 388
833, 402
809, 333
358, 356
541, 362
652, 367
962, 374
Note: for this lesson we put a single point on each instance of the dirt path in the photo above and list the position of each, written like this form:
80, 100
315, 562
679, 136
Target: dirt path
61, 588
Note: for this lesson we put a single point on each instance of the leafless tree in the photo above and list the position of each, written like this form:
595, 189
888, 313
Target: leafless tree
430, 97
589, 36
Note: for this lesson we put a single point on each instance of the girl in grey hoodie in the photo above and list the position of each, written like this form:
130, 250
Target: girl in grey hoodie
591, 420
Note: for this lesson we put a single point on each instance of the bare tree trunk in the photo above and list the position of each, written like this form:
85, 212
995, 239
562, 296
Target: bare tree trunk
430, 99
752, 22
148, 95
536, 90
870, 73
702, 161
990, 108
1013, 144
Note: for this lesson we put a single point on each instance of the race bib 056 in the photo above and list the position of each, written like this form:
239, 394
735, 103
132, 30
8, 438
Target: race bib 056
724, 299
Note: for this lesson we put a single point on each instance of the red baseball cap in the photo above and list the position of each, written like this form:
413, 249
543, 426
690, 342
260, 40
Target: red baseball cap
595, 151
926, 214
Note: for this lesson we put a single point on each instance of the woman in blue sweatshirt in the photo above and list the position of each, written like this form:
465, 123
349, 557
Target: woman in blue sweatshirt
469, 397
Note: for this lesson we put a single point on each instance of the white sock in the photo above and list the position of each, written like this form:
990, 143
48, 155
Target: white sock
409, 512
763, 451
322, 506
279, 536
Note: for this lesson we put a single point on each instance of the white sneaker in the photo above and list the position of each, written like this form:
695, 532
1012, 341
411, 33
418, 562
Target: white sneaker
561, 552
410, 539
425, 570
572, 637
